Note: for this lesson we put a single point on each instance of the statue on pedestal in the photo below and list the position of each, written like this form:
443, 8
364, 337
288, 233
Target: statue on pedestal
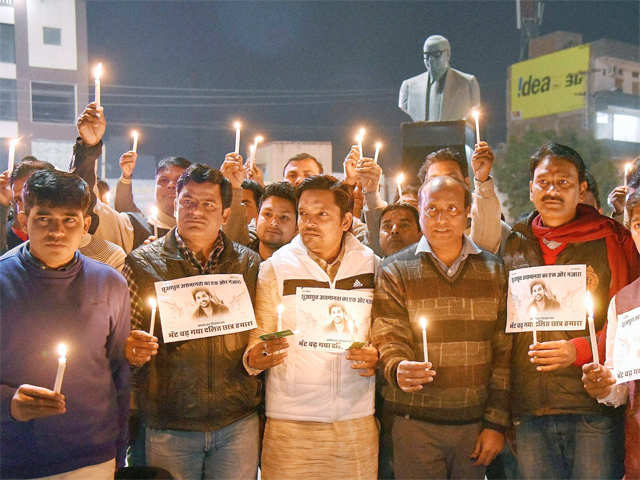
441, 93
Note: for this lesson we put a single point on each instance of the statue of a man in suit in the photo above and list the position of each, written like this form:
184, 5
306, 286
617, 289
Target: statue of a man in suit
441, 93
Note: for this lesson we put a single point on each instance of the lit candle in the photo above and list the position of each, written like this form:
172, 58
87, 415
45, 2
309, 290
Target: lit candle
256, 141
97, 73
476, 115
423, 325
280, 312
12, 154
134, 135
237, 126
627, 169
592, 329
154, 217
378, 147
532, 315
252, 152
153, 305
360, 139
400, 181
62, 364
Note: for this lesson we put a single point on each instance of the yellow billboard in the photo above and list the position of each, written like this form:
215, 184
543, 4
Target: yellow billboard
549, 84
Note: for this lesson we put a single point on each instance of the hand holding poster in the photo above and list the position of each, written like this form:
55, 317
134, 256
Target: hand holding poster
204, 306
555, 294
626, 347
331, 320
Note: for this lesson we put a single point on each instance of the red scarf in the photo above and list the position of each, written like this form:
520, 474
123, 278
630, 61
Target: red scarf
622, 255
589, 225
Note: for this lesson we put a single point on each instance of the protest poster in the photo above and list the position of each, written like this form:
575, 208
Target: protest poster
331, 320
553, 296
626, 347
204, 306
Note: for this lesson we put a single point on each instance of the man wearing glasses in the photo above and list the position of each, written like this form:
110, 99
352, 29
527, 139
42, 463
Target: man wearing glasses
441, 93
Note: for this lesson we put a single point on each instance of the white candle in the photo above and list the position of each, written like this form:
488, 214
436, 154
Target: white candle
256, 141
360, 139
280, 312
592, 329
134, 135
627, 169
237, 126
62, 364
252, 153
12, 154
476, 115
97, 73
400, 181
153, 305
423, 325
532, 315
154, 217
377, 154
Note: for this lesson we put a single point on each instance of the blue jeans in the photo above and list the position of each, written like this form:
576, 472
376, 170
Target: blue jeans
228, 453
570, 446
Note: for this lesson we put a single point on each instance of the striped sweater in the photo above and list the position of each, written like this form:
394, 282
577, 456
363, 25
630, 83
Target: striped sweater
466, 340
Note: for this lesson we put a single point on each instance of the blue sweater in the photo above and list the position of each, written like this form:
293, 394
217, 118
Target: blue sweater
86, 307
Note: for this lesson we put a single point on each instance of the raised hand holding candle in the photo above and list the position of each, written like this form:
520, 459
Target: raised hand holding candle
12, 154
532, 315
237, 126
154, 216
592, 329
400, 181
97, 73
134, 135
153, 305
377, 154
62, 364
475, 113
280, 312
627, 169
423, 325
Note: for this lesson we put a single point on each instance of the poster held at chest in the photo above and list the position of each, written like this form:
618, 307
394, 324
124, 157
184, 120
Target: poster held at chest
204, 306
331, 320
553, 296
626, 347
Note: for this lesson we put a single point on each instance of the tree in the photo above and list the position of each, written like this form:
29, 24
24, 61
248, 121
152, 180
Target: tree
511, 170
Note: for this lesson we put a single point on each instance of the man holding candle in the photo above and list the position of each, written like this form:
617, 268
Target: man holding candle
194, 394
81, 303
319, 405
451, 412
558, 427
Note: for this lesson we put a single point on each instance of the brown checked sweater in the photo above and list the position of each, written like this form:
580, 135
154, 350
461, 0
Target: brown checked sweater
466, 340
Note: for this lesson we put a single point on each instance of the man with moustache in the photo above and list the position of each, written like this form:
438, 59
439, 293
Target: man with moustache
558, 426
399, 228
319, 405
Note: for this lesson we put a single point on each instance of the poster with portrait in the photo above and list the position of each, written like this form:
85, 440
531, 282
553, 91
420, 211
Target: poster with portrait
331, 320
626, 347
204, 306
553, 296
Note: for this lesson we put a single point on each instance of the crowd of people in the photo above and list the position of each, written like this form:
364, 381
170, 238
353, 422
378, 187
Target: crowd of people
471, 401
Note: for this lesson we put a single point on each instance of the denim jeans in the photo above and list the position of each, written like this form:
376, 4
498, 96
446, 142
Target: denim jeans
228, 453
570, 446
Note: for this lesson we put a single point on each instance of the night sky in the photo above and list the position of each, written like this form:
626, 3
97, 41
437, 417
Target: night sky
184, 70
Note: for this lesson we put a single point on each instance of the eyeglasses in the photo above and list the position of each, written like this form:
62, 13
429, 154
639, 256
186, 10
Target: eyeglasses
433, 54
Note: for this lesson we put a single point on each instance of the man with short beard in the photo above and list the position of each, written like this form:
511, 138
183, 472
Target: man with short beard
277, 216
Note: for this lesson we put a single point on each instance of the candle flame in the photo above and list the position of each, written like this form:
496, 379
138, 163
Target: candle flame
152, 302
97, 71
237, 125
423, 323
400, 178
258, 139
14, 141
627, 168
378, 145
252, 148
134, 134
107, 197
62, 350
588, 301
362, 132
280, 309
475, 113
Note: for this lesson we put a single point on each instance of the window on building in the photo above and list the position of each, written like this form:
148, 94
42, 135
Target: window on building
634, 89
7, 43
635, 74
51, 36
619, 83
8, 100
626, 128
53, 102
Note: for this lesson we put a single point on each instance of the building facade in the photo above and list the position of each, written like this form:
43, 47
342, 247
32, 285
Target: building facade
43, 76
